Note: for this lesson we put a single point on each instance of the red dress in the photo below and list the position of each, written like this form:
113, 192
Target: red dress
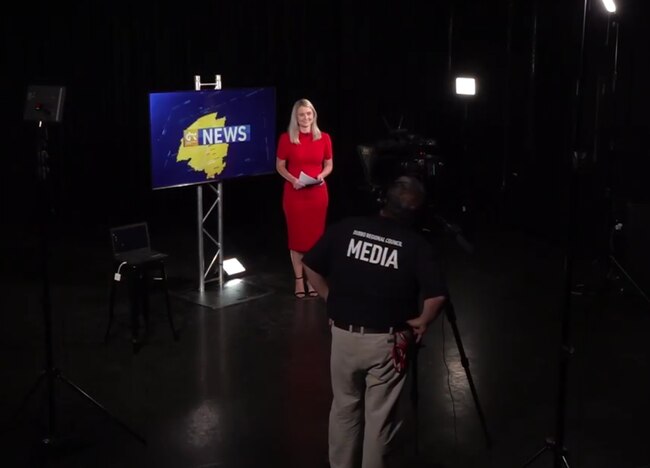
306, 209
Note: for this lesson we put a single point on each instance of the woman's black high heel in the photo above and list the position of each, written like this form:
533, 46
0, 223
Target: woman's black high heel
300, 294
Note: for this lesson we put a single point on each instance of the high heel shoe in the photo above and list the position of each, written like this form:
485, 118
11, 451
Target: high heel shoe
311, 292
300, 294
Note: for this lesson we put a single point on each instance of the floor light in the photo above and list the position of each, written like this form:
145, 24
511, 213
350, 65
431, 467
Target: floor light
232, 266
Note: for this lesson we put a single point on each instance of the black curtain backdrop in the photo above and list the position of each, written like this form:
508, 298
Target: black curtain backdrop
362, 64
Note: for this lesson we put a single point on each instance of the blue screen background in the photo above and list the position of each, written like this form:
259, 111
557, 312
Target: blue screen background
172, 112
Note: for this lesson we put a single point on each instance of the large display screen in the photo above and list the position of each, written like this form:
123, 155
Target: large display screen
209, 136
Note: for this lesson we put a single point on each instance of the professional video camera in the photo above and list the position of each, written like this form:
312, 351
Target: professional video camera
405, 153
400, 153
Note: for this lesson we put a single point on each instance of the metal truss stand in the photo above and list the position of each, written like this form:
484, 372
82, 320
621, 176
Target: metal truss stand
202, 216
226, 294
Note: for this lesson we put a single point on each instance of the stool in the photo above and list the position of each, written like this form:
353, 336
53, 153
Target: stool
137, 276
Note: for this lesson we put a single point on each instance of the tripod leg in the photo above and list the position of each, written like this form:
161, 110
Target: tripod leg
29, 394
51, 402
104, 410
451, 317
559, 454
566, 463
630, 279
539, 453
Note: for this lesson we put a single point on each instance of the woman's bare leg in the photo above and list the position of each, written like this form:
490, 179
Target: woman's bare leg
296, 263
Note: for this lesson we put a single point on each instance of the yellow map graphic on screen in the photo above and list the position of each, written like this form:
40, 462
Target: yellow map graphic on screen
210, 159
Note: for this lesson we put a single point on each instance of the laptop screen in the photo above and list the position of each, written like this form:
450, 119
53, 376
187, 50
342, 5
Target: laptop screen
131, 237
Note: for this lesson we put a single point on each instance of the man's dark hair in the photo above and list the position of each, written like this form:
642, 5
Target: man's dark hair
404, 198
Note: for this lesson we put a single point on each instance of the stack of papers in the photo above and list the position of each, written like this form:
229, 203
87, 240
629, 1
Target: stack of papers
307, 180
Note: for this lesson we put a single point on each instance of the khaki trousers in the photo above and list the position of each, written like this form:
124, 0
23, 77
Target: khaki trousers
367, 413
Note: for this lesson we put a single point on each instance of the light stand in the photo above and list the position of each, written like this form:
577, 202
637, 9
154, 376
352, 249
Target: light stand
38, 109
613, 265
574, 160
465, 89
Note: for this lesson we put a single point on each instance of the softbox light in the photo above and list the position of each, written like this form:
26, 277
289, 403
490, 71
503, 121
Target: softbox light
44, 103
465, 86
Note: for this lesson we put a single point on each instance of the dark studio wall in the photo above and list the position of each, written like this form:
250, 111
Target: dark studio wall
361, 64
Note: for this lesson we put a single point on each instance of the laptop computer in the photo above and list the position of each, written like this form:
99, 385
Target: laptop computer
131, 245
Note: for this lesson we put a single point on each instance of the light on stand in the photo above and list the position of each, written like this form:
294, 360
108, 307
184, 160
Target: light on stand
610, 5
465, 86
232, 266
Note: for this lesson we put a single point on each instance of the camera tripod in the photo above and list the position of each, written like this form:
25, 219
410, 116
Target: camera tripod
51, 373
450, 313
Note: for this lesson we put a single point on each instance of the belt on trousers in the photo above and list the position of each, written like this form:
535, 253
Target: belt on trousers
361, 329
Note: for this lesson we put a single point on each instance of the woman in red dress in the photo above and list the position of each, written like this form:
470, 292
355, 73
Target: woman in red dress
304, 148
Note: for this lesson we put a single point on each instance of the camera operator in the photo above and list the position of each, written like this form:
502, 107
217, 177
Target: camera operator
383, 288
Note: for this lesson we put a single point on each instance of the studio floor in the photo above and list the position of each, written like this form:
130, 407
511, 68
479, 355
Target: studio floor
248, 385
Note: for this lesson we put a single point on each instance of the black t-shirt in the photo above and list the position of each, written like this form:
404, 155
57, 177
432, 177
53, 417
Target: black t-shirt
377, 271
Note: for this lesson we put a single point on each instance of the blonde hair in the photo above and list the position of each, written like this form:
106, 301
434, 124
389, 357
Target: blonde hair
293, 129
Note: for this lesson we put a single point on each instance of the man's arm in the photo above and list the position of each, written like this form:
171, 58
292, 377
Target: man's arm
317, 281
431, 308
